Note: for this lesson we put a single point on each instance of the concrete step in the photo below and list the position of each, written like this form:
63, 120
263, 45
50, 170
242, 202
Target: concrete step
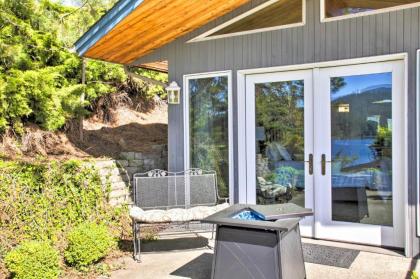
109, 172
120, 201
116, 179
119, 193
105, 164
119, 186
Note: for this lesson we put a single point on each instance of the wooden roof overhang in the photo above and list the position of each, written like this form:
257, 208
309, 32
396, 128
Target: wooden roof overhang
134, 28
161, 66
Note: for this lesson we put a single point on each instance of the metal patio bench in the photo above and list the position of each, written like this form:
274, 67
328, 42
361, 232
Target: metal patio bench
162, 197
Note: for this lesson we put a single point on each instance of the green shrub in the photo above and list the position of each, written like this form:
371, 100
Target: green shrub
88, 243
33, 260
43, 201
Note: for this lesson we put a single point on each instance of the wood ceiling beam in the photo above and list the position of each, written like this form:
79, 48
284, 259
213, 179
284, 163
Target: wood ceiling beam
144, 78
155, 66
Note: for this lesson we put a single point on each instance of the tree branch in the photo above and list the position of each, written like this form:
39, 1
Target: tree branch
143, 78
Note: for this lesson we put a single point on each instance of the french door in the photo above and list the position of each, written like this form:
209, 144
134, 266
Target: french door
331, 139
279, 116
359, 135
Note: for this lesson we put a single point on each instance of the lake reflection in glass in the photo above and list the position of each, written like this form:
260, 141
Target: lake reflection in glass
361, 149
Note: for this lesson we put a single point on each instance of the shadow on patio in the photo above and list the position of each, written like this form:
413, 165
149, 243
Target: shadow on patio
168, 244
198, 268
175, 244
191, 257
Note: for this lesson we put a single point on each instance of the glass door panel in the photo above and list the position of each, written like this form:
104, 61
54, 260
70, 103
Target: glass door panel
351, 119
359, 142
279, 142
361, 148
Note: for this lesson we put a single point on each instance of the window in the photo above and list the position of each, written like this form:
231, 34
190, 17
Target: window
337, 9
272, 15
208, 126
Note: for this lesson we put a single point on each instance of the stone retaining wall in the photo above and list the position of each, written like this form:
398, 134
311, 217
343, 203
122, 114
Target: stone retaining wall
135, 162
120, 172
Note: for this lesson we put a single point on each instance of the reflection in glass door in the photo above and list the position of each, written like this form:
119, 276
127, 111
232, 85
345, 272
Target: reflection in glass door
331, 139
361, 148
280, 140
359, 142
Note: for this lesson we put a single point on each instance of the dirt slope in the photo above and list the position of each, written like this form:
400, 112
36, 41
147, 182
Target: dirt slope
130, 130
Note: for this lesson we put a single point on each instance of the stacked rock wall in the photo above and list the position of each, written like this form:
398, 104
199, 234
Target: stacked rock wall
119, 173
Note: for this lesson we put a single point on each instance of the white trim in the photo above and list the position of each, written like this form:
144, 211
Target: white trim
186, 79
408, 248
207, 35
327, 228
418, 140
241, 78
306, 225
378, 11
241, 122
326, 64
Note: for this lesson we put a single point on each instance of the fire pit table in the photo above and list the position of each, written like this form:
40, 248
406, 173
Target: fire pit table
258, 241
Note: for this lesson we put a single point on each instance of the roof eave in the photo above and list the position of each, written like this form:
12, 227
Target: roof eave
104, 25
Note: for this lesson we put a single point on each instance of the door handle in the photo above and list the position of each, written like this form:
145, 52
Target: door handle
311, 164
323, 164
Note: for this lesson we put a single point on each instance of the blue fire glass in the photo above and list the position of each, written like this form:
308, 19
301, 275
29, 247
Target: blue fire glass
248, 215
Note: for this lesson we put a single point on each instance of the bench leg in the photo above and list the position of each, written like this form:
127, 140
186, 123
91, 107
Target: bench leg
136, 241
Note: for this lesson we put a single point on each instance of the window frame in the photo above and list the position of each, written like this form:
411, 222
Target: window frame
186, 79
208, 34
418, 141
324, 18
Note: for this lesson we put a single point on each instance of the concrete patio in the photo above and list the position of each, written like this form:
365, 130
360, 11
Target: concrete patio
190, 256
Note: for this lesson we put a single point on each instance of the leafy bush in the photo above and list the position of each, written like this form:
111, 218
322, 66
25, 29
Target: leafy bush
42, 201
87, 243
286, 176
33, 260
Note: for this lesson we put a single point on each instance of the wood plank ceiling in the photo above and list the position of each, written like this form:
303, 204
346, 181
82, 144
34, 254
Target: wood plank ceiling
161, 66
155, 23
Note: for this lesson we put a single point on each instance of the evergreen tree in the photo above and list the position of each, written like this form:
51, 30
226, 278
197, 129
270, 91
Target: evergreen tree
40, 77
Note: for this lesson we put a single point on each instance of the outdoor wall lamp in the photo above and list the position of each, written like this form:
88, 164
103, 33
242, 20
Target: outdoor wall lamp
174, 93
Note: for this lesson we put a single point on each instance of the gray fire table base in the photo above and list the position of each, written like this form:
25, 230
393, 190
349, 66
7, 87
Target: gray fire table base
262, 246
255, 253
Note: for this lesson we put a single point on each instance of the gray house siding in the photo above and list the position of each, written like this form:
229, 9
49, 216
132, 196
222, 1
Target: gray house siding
385, 33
